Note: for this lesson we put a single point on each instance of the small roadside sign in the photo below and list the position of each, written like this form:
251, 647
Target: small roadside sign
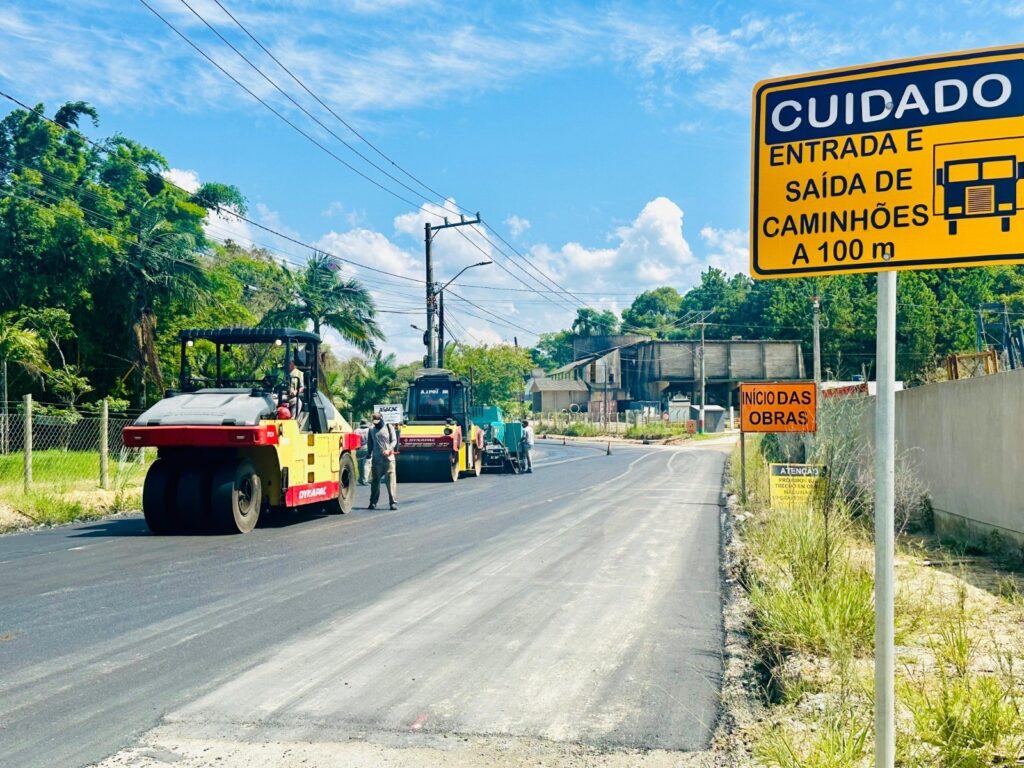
392, 413
912, 164
795, 485
778, 406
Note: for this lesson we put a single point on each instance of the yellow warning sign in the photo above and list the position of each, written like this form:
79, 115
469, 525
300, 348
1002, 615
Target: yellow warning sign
913, 164
795, 485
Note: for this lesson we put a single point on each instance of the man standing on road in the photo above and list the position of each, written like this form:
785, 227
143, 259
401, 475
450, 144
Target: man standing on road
382, 442
527, 445
362, 455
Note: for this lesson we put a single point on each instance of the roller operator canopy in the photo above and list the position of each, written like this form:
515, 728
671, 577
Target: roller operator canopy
248, 335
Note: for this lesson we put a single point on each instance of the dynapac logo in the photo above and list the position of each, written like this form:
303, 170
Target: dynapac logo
312, 493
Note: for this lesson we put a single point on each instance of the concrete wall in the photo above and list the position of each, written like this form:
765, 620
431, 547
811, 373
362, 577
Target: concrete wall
553, 401
967, 439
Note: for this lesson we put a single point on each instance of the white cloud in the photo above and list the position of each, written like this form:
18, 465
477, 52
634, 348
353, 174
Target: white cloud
516, 225
729, 249
338, 210
381, 55
484, 335
373, 248
650, 251
187, 180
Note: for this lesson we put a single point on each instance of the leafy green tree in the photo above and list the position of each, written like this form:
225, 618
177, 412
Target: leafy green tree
99, 233
916, 327
499, 372
21, 346
590, 322
653, 312
318, 294
553, 350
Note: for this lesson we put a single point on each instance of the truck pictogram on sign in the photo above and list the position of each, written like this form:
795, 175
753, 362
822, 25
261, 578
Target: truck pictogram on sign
979, 180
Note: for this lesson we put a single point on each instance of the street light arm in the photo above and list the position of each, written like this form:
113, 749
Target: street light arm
457, 274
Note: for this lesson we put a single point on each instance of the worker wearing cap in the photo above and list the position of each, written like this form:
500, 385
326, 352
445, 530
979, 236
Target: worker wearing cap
381, 443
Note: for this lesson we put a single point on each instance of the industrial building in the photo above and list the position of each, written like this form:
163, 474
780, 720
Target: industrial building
630, 372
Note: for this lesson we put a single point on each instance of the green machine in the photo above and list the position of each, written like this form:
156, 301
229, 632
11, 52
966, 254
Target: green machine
502, 440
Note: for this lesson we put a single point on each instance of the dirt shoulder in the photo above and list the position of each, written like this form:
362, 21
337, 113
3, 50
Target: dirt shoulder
164, 747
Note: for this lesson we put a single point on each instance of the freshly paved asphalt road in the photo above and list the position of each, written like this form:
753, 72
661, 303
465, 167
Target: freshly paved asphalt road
580, 603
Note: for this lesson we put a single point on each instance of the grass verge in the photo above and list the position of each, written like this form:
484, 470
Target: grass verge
809, 577
66, 488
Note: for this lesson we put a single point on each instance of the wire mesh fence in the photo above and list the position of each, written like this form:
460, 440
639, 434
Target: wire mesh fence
66, 459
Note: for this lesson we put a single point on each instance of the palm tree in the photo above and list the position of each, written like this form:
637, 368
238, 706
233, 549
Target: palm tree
376, 383
161, 264
22, 346
317, 294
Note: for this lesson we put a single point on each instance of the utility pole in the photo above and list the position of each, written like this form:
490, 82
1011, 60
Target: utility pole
605, 408
440, 329
428, 239
429, 233
4, 440
817, 340
703, 381
699, 317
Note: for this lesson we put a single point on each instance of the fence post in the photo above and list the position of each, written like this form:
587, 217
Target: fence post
104, 445
5, 420
28, 443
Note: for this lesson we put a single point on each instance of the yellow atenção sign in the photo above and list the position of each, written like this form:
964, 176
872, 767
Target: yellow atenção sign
913, 164
795, 485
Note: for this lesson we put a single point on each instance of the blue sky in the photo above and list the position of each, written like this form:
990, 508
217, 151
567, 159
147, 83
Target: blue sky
608, 142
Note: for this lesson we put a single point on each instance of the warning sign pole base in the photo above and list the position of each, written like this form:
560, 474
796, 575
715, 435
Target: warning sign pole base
885, 483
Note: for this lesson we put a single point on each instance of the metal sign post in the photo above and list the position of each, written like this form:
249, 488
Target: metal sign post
912, 164
885, 487
743, 466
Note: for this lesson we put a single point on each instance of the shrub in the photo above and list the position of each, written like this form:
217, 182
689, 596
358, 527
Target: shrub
53, 509
968, 720
808, 596
654, 431
842, 739
582, 429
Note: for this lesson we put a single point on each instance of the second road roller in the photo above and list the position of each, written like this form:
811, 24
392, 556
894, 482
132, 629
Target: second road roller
438, 440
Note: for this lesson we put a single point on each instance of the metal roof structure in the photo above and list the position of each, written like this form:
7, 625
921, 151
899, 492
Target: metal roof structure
248, 335
558, 385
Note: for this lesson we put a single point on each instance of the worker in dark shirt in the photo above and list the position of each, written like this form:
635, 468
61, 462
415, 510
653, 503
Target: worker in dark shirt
381, 444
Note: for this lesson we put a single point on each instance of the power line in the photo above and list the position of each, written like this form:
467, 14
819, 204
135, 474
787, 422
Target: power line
332, 133
535, 267
278, 114
322, 103
219, 209
290, 123
488, 312
305, 111
228, 211
506, 271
